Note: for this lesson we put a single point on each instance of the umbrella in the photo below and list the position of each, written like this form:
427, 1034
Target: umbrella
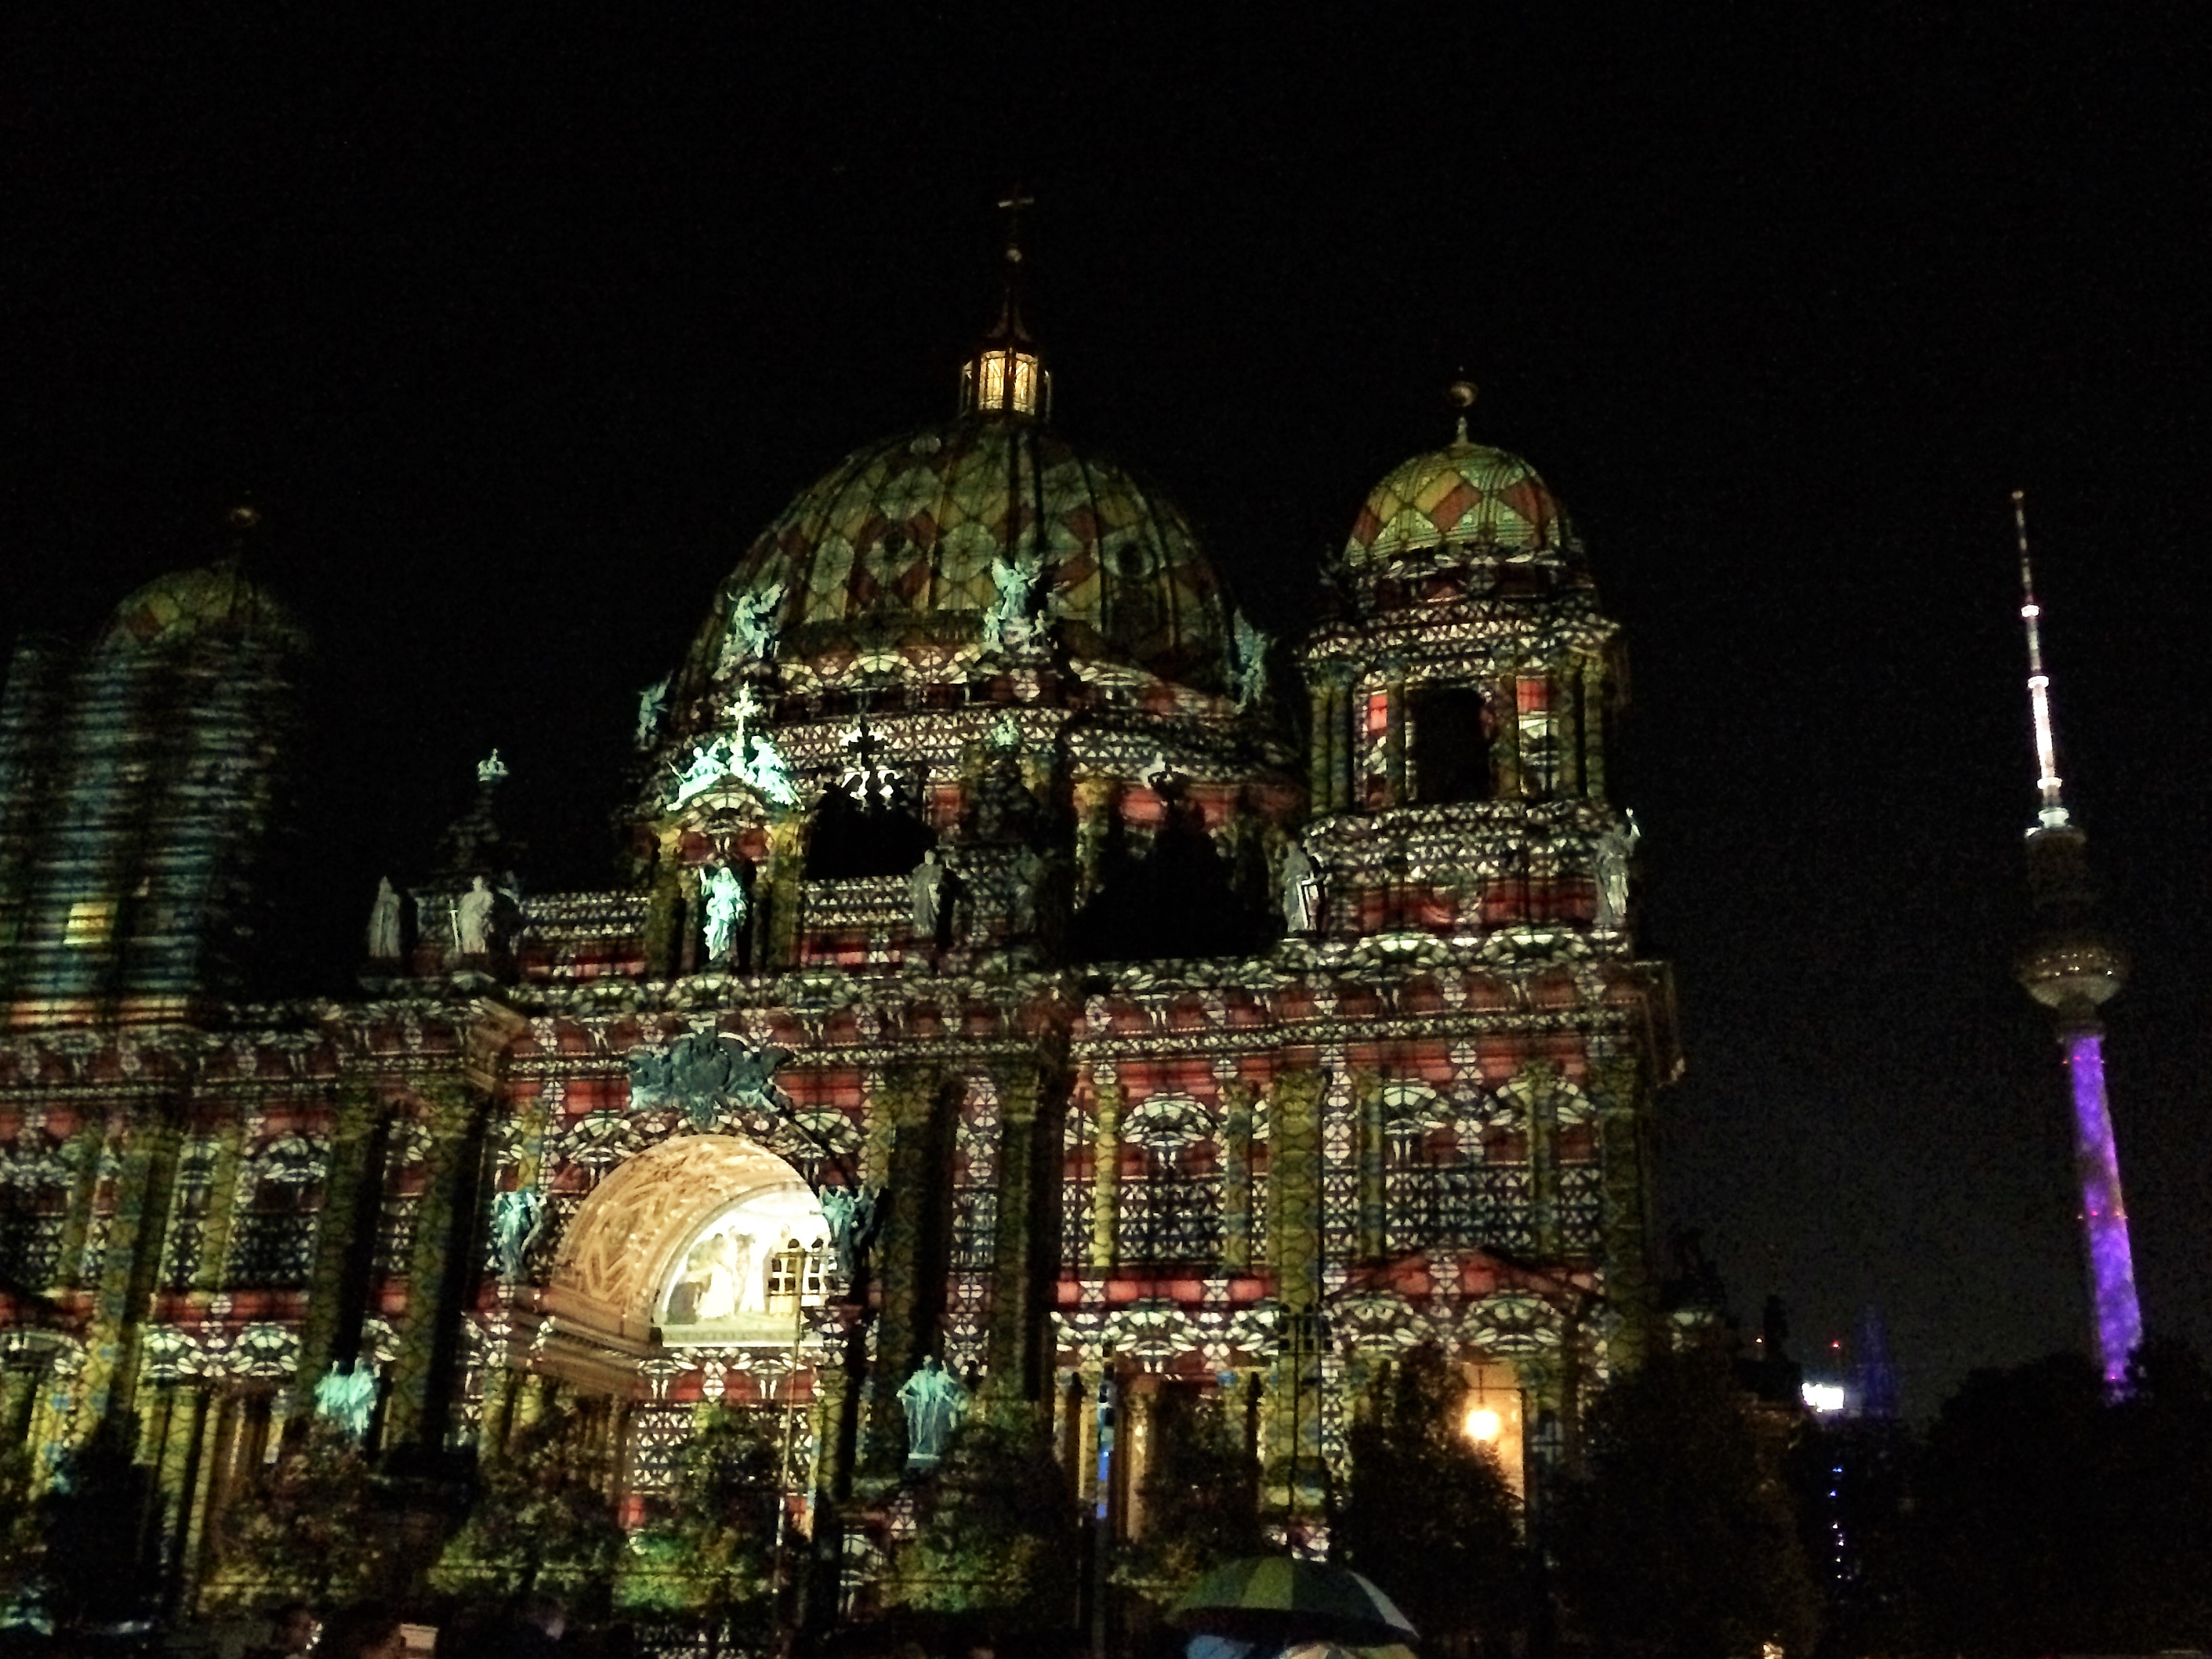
1277, 1598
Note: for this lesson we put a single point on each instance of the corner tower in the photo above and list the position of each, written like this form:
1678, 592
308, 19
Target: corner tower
1462, 854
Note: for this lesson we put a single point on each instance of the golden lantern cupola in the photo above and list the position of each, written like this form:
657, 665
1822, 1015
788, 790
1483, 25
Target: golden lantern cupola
1007, 376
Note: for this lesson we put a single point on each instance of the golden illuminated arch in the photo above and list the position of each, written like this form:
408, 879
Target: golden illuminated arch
618, 1252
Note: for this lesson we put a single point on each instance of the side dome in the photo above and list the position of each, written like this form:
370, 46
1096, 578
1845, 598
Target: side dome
897, 559
1466, 493
216, 599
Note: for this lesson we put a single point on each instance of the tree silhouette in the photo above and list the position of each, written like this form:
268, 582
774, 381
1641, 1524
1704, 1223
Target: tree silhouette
543, 1519
1429, 1515
1678, 1538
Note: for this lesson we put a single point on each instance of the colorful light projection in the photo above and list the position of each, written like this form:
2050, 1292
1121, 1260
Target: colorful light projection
2104, 1213
747, 1273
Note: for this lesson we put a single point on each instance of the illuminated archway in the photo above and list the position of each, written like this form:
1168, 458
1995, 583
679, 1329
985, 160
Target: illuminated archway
660, 1220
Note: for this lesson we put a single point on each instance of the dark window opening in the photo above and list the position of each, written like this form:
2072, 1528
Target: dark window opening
1180, 898
1448, 739
850, 840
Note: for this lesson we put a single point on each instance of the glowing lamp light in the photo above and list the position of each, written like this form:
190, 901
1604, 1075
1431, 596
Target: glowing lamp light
1004, 379
1822, 1399
1483, 1425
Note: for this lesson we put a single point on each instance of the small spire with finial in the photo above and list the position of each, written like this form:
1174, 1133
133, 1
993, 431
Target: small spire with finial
1005, 376
1461, 393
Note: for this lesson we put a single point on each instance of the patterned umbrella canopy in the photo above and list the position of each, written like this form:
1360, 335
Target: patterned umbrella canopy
1280, 1598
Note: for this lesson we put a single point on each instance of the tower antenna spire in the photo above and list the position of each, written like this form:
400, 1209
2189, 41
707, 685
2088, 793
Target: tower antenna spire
2073, 969
2052, 815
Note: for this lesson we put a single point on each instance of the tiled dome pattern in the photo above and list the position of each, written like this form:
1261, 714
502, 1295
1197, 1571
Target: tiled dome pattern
900, 539
1464, 494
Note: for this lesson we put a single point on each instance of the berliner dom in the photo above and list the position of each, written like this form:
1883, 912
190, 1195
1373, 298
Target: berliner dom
1032, 1000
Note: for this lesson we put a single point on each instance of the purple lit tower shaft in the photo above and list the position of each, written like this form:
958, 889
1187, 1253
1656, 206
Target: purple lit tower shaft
2103, 1212
2072, 968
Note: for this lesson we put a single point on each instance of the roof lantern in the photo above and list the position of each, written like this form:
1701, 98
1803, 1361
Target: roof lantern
1006, 376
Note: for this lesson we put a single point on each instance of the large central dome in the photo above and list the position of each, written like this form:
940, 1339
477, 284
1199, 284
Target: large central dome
898, 557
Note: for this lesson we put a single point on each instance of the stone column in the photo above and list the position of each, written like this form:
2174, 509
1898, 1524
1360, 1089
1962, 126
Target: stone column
345, 1235
1137, 1440
84, 1149
1505, 739
500, 1389
1543, 1160
1015, 1352
664, 909
1236, 1099
1622, 1153
440, 1265
1593, 727
19, 1398
1321, 749
1343, 749
1567, 731
128, 1270
1367, 1105
1292, 1413
776, 890
1393, 737
910, 1251
836, 1424
182, 1471
209, 1274
1106, 1168
219, 1427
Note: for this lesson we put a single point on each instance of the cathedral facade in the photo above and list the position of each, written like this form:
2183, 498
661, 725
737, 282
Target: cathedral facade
1031, 982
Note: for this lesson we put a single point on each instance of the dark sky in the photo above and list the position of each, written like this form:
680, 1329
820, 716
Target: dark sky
518, 330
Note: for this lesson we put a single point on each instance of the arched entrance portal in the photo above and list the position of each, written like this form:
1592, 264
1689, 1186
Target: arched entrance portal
702, 1239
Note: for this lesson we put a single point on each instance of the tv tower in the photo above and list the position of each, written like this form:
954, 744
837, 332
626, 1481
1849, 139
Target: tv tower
2072, 967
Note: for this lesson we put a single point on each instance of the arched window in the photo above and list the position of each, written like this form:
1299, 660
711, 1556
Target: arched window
1169, 1195
272, 1246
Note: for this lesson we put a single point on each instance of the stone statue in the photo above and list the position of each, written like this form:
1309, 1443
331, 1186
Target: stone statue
934, 1401
514, 1217
709, 765
925, 889
725, 912
1301, 890
384, 924
753, 627
1006, 623
769, 775
851, 1213
1249, 669
472, 918
651, 702
348, 1398
1609, 858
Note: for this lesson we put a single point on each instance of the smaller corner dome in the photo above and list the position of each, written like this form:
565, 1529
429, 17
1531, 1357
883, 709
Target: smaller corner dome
217, 598
1466, 493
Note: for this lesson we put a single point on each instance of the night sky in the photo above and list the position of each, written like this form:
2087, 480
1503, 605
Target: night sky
517, 331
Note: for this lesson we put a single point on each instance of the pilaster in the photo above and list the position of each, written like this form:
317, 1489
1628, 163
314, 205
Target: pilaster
1105, 1169
331, 1331
127, 1274
1237, 1098
1015, 1350
440, 1263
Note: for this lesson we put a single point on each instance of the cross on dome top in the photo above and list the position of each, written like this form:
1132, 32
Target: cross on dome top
1006, 376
